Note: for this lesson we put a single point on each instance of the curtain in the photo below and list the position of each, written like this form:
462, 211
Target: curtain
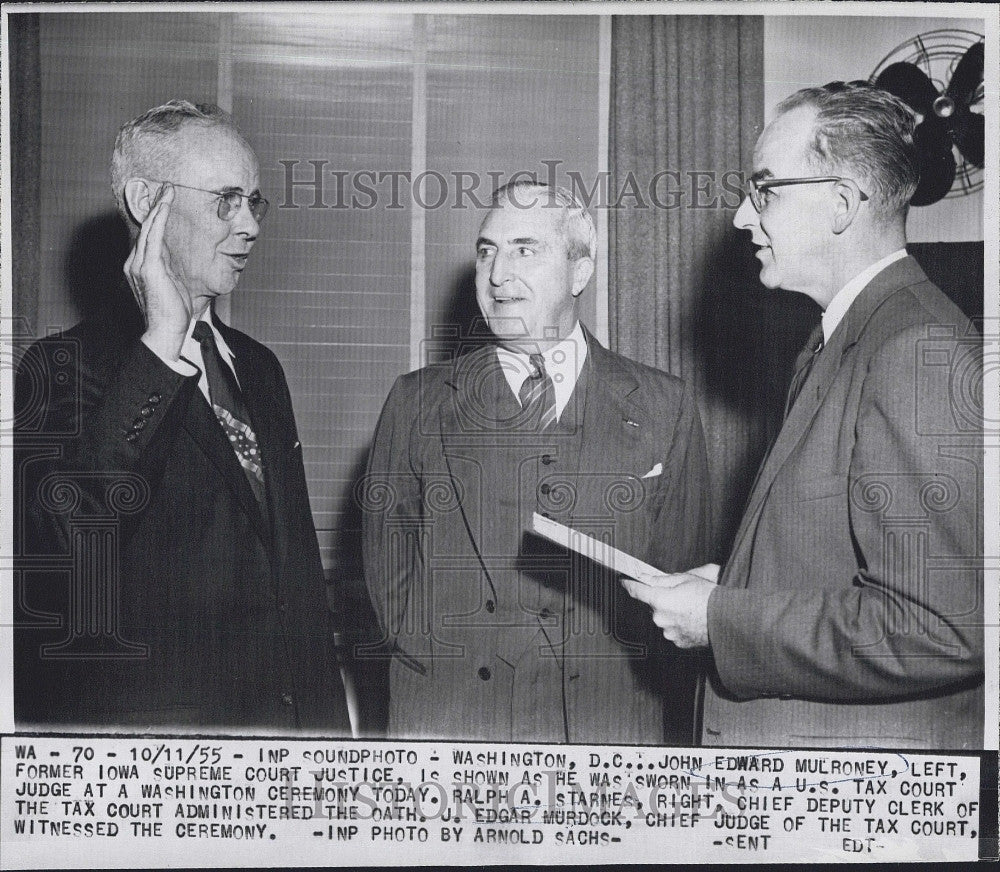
684, 295
25, 154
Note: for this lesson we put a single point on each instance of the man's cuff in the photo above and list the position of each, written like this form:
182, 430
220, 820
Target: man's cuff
180, 366
732, 651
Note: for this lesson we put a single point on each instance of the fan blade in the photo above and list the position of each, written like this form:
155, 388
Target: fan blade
910, 84
937, 163
968, 76
969, 130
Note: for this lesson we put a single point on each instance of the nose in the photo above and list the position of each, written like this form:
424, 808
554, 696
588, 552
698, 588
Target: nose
500, 271
244, 224
746, 217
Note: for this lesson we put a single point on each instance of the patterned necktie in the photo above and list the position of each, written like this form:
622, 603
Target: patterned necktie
538, 395
805, 361
229, 408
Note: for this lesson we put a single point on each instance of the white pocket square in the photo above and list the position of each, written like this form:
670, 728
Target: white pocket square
655, 471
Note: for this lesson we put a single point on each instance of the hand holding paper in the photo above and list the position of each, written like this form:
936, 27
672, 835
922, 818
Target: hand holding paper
679, 602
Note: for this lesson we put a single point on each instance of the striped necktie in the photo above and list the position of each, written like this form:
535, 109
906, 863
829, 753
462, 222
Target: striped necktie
538, 395
231, 411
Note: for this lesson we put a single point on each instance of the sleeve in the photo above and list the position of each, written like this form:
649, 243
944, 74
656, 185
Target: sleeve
681, 527
390, 500
908, 618
83, 420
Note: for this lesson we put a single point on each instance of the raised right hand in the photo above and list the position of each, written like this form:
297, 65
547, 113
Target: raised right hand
162, 299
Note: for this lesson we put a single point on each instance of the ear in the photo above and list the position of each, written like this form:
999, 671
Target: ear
583, 269
848, 201
140, 197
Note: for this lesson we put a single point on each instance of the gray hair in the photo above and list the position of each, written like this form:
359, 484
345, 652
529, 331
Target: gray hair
577, 225
868, 133
143, 144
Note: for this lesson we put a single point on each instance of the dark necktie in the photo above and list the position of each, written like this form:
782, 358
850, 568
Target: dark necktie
805, 361
231, 411
538, 395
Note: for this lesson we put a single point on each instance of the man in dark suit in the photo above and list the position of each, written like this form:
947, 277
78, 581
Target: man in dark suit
850, 610
161, 469
495, 635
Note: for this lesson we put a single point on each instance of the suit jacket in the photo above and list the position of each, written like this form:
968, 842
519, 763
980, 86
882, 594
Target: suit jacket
493, 635
850, 612
156, 592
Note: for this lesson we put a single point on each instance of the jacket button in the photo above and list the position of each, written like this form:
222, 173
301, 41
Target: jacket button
146, 411
547, 459
131, 437
153, 399
491, 606
286, 699
545, 489
138, 424
484, 673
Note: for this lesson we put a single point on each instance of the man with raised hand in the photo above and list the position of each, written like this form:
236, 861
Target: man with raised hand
207, 608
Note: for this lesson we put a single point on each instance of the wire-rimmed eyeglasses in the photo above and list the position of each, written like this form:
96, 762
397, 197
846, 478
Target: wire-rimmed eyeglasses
756, 187
230, 201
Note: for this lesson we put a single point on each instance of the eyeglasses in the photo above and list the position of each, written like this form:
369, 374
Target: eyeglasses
231, 201
756, 187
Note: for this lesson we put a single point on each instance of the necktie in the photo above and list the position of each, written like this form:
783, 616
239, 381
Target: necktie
229, 408
805, 361
538, 395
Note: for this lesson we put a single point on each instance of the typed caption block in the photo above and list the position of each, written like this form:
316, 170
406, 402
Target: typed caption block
202, 802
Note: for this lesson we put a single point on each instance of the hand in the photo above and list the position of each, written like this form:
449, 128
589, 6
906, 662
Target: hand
679, 603
709, 572
162, 299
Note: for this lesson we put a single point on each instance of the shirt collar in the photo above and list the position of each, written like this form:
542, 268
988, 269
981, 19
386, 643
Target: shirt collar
841, 302
563, 363
190, 344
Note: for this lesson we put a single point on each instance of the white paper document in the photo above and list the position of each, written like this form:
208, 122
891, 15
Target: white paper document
600, 552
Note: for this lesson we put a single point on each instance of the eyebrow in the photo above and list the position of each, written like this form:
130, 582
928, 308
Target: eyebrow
521, 240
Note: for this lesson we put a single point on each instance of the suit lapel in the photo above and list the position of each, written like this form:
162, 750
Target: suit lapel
467, 416
613, 425
893, 278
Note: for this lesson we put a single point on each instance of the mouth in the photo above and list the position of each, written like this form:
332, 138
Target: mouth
240, 260
500, 300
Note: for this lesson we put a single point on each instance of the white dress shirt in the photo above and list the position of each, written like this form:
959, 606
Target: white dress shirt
191, 362
563, 363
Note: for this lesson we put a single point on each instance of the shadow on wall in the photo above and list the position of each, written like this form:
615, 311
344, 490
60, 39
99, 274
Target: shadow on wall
93, 273
462, 327
746, 340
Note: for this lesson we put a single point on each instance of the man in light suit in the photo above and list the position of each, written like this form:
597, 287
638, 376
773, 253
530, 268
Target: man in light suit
162, 464
493, 634
850, 610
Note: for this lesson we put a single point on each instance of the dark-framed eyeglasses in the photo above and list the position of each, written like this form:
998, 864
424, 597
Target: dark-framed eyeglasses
231, 201
755, 188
